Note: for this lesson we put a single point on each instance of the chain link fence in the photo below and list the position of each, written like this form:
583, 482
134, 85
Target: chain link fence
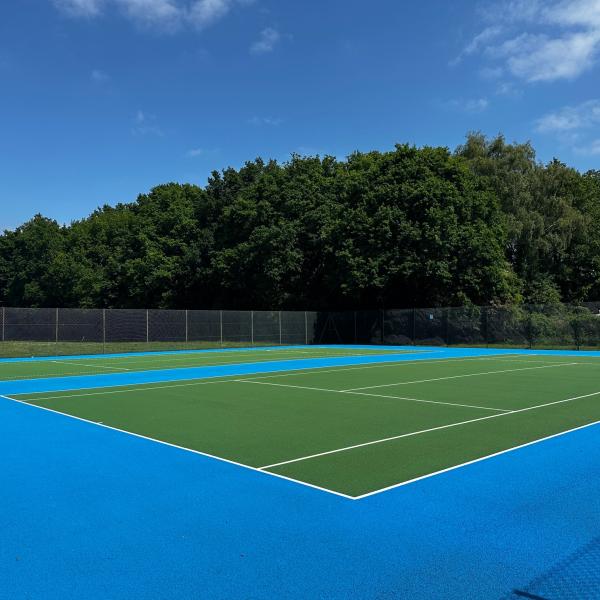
38, 331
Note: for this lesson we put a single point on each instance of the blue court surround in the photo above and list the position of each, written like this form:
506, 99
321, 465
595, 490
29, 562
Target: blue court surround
87, 512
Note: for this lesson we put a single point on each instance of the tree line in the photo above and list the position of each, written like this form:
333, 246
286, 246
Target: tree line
485, 224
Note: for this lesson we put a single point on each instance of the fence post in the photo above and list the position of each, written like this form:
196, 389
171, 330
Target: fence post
280, 334
3, 311
382, 326
221, 325
305, 328
447, 325
355, 330
56, 329
186, 326
252, 328
103, 331
485, 327
414, 326
147, 326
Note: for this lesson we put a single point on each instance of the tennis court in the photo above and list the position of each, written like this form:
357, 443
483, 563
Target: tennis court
389, 417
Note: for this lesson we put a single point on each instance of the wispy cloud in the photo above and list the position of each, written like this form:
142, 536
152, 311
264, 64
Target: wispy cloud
537, 41
571, 118
591, 149
99, 77
195, 152
577, 127
269, 121
166, 15
268, 39
201, 152
146, 124
80, 8
481, 40
469, 105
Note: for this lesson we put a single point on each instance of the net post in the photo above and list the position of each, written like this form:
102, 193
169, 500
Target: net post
186, 326
355, 330
56, 328
3, 321
147, 326
280, 334
306, 328
382, 326
103, 331
414, 326
252, 328
221, 325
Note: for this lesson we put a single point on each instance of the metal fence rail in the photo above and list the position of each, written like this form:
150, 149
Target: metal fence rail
29, 331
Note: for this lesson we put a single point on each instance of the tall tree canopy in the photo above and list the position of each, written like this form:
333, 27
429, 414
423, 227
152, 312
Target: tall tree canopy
485, 224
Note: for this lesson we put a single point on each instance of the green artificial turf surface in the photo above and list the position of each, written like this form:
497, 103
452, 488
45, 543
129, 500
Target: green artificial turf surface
263, 420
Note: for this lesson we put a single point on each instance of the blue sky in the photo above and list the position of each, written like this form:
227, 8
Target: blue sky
103, 99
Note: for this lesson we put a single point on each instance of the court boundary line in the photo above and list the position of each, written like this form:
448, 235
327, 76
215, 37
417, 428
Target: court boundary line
71, 362
314, 486
369, 387
176, 367
355, 393
385, 363
183, 448
250, 378
424, 431
472, 462
213, 379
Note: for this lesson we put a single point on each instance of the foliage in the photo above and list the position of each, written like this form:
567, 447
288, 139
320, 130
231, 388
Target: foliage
484, 225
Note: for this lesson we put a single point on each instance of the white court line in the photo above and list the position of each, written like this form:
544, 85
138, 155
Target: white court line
369, 387
353, 393
380, 365
310, 485
196, 366
423, 431
226, 357
206, 454
470, 462
162, 368
220, 378
66, 362
124, 389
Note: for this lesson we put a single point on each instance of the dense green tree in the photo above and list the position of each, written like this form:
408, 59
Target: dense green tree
486, 224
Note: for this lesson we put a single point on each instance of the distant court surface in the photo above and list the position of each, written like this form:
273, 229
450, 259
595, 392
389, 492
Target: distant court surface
61, 366
331, 460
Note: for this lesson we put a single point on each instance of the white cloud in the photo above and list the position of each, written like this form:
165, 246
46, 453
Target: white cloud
577, 127
571, 118
98, 76
267, 41
80, 8
539, 58
479, 41
469, 105
166, 15
145, 124
205, 12
195, 152
270, 121
591, 149
540, 41
476, 105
